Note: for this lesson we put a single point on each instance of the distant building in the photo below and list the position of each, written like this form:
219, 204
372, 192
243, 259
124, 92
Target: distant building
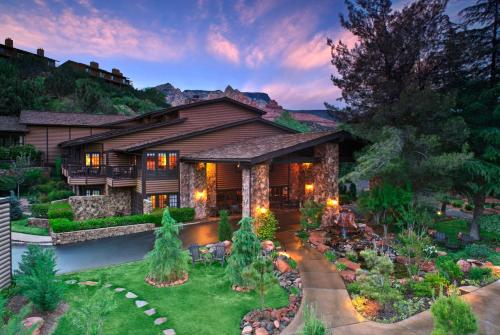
113, 77
7, 50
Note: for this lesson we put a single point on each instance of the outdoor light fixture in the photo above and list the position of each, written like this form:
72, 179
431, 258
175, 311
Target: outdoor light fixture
263, 210
306, 165
309, 187
439, 213
332, 202
200, 195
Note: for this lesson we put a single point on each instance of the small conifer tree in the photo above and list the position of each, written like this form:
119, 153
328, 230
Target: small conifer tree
16, 212
224, 230
453, 316
167, 261
259, 276
246, 248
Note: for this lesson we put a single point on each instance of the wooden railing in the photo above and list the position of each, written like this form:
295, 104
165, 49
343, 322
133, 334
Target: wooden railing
85, 171
121, 172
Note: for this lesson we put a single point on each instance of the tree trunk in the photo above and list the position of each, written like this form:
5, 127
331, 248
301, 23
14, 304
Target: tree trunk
493, 74
18, 191
479, 200
443, 207
385, 231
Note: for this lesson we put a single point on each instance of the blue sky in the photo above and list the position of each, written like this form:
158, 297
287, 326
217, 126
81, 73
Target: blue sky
275, 46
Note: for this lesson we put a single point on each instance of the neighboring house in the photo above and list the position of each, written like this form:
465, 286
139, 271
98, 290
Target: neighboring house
7, 50
113, 77
11, 132
209, 155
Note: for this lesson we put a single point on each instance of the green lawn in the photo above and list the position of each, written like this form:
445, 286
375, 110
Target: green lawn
206, 304
21, 226
453, 227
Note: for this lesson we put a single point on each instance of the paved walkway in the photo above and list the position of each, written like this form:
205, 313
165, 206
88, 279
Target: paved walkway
324, 289
31, 239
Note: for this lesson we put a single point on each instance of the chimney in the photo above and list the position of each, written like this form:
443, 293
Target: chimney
116, 72
40, 52
9, 42
94, 65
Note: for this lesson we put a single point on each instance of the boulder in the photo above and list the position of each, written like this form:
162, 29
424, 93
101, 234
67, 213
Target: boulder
261, 331
317, 237
348, 275
322, 248
428, 266
247, 330
467, 289
282, 265
441, 253
464, 265
34, 321
267, 246
350, 265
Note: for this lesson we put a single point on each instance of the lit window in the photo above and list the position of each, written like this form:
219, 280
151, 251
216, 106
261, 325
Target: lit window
152, 198
172, 160
162, 200
151, 161
92, 159
172, 200
162, 161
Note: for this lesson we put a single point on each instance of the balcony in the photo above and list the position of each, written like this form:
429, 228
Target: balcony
85, 175
121, 176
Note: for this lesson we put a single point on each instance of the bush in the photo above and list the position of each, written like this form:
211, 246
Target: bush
479, 251
310, 215
60, 211
468, 207
453, 316
16, 212
224, 230
352, 256
353, 288
266, 224
59, 195
64, 225
40, 210
36, 278
449, 269
479, 273
490, 223
340, 266
260, 277
184, 214
312, 325
457, 203
7, 184
431, 286
330, 256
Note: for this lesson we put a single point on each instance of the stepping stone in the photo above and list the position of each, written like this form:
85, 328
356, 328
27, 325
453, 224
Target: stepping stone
88, 283
71, 282
140, 303
467, 289
119, 289
130, 295
150, 312
160, 321
108, 285
169, 332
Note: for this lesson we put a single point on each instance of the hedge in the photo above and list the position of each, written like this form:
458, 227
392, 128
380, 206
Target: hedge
184, 214
60, 211
61, 225
40, 210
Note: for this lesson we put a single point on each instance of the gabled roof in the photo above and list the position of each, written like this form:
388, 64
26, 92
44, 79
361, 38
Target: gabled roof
67, 119
261, 149
11, 124
199, 131
118, 132
194, 104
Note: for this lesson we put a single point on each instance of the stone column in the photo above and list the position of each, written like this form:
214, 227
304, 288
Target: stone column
255, 189
194, 187
326, 179
186, 189
211, 186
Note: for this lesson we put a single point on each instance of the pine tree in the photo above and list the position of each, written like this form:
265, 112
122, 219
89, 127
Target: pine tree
246, 248
16, 212
224, 230
167, 261
259, 276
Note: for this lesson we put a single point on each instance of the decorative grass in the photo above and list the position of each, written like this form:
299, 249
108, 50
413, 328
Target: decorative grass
206, 304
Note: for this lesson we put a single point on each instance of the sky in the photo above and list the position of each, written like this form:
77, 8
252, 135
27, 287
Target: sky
273, 46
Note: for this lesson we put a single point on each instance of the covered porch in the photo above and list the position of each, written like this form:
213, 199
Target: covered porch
279, 171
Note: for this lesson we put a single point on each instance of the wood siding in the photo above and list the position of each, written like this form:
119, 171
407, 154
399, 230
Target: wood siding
5, 247
215, 114
278, 175
228, 176
162, 186
86, 180
121, 182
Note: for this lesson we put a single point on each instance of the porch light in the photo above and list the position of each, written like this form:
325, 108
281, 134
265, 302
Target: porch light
332, 202
309, 187
200, 195
439, 213
263, 210
306, 165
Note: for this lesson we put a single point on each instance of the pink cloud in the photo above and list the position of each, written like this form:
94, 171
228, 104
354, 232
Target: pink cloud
221, 47
94, 34
249, 13
254, 58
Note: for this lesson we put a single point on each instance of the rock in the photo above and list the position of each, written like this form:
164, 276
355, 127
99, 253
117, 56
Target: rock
160, 321
350, 265
261, 331
119, 289
464, 265
130, 295
32, 321
348, 275
150, 312
267, 246
108, 285
247, 330
401, 260
403, 281
475, 262
322, 248
467, 289
140, 303
317, 237
369, 230
282, 265
428, 266
71, 282
88, 283
276, 324
441, 253
169, 332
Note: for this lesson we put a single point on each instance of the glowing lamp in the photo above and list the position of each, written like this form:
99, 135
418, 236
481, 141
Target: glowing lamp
306, 165
263, 210
439, 213
332, 202
200, 195
309, 187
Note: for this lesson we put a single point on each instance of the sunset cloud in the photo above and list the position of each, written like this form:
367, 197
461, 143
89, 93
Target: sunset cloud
248, 13
220, 47
254, 58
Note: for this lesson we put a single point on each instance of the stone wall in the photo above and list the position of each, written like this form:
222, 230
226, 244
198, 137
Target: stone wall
197, 187
211, 186
147, 206
38, 222
117, 202
94, 234
185, 175
255, 189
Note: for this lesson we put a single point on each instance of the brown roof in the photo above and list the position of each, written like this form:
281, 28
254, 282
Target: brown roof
67, 119
260, 149
195, 132
11, 124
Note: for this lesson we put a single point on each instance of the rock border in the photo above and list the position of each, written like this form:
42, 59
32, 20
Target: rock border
178, 282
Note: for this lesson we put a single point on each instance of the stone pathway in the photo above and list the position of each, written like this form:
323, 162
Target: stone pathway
20, 238
325, 290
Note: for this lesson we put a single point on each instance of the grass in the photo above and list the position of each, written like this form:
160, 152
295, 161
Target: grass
21, 226
452, 227
206, 304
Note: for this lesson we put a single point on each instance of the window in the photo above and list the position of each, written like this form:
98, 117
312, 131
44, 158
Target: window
162, 160
92, 191
151, 161
162, 164
164, 200
92, 159
152, 198
172, 200
172, 160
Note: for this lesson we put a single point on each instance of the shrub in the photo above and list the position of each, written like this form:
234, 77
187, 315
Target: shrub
370, 257
40, 210
266, 224
292, 262
453, 316
184, 214
59, 195
60, 211
352, 256
15, 324
479, 251
330, 256
36, 278
457, 203
27, 150
259, 276
340, 266
422, 289
468, 207
310, 215
449, 269
7, 183
224, 230
167, 261
312, 325
246, 248
479, 273
490, 223
64, 225
353, 288
16, 212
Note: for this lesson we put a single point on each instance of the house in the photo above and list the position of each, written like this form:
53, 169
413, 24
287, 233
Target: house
114, 77
11, 131
211, 154
7, 50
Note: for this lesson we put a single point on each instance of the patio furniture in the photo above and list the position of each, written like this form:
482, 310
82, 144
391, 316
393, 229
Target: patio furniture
219, 253
440, 237
196, 256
